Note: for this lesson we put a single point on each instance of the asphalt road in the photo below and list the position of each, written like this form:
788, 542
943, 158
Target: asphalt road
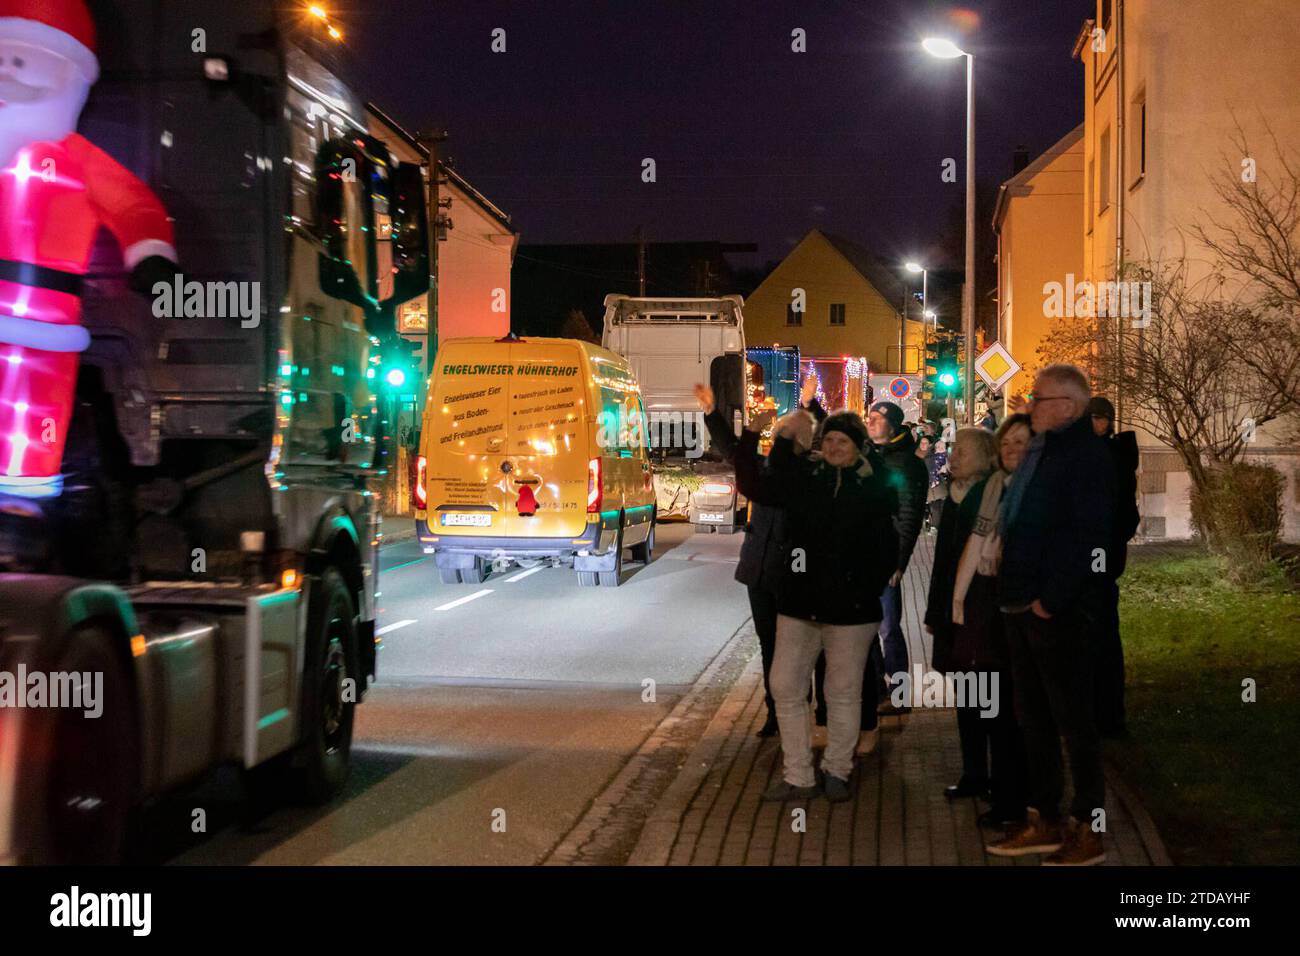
502, 710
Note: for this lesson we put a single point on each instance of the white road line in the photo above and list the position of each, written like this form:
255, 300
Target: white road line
523, 574
394, 626
465, 600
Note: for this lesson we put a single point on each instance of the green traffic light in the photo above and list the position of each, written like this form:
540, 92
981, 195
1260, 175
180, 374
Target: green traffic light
395, 377
947, 379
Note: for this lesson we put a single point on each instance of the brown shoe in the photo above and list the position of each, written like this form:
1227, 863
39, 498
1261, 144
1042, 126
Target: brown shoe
1035, 835
1082, 847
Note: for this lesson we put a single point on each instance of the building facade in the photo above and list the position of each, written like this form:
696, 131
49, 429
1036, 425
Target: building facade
1168, 89
851, 306
1038, 222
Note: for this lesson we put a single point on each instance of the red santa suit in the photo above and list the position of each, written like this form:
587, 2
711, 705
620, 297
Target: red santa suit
54, 196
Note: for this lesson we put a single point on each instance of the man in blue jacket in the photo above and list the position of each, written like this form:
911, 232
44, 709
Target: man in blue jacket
1056, 524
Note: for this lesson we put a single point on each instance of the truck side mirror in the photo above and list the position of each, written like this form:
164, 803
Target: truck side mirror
342, 216
410, 233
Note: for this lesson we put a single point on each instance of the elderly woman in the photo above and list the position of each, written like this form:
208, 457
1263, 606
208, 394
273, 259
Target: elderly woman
973, 457
979, 641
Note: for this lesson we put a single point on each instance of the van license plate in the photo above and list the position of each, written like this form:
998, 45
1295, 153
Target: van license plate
712, 518
467, 520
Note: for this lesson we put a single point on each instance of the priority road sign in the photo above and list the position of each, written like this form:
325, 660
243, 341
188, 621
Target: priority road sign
996, 366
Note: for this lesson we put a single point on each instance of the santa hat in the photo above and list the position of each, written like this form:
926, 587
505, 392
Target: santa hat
60, 26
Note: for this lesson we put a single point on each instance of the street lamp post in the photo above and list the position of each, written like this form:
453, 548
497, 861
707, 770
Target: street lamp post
925, 301
947, 50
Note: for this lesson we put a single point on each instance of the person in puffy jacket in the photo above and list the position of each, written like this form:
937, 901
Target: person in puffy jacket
841, 551
762, 553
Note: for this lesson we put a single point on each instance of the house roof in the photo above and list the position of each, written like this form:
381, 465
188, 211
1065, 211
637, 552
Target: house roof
1018, 185
868, 265
482, 201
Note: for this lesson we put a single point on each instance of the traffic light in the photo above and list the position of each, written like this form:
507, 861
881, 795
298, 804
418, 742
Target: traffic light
942, 372
398, 367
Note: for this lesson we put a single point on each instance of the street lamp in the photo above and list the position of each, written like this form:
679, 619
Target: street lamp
947, 50
915, 267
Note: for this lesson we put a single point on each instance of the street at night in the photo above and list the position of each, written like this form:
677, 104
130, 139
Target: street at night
579, 444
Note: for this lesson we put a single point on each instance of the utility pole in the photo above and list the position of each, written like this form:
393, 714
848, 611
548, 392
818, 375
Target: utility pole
640, 261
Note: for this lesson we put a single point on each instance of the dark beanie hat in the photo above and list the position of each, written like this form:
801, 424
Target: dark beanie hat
848, 423
890, 411
1101, 406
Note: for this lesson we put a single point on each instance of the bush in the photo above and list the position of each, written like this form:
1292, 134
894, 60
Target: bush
1239, 514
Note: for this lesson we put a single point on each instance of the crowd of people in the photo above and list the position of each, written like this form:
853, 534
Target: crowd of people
1031, 541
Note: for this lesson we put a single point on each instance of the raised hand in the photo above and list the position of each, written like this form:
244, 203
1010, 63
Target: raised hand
704, 395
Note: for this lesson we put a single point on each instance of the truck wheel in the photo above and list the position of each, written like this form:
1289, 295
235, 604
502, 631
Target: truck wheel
645, 550
80, 773
474, 575
612, 579
328, 709
449, 575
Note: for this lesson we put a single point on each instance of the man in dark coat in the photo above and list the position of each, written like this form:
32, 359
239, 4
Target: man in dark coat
1109, 649
1057, 525
908, 476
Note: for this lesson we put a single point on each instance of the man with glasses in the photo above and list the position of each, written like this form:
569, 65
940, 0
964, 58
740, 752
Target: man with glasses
1056, 526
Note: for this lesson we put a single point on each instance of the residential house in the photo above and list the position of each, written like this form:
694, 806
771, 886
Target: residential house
1167, 88
852, 306
1038, 222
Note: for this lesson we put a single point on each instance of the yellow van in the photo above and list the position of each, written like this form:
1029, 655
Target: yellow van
533, 450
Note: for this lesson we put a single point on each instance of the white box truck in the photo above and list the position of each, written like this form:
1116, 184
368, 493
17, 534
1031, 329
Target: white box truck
673, 344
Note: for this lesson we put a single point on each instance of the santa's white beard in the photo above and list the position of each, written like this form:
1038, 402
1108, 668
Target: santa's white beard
47, 120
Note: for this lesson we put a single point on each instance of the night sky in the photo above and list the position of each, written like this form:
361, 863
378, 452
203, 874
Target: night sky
753, 142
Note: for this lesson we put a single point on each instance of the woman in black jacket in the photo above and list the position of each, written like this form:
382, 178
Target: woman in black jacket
840, 552
762, 553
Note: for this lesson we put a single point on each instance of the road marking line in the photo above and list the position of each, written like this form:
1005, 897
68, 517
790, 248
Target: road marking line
465, 600
387, 628
523, 574
407, 564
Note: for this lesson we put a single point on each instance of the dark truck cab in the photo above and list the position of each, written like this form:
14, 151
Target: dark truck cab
211, 548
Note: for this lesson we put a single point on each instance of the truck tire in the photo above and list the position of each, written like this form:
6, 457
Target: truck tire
475, 574
612, 579
325, 753
644, 551
80, 774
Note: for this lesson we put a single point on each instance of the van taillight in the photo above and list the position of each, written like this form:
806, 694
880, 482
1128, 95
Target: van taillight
421, 496
593, 485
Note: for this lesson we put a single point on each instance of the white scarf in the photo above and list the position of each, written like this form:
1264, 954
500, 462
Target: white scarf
983, 550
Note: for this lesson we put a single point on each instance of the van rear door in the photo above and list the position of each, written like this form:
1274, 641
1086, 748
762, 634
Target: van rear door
508, 417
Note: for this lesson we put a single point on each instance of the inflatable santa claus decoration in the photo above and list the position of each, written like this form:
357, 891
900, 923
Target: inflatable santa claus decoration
56, 190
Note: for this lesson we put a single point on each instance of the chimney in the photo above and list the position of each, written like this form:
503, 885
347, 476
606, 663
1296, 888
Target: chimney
1019, 159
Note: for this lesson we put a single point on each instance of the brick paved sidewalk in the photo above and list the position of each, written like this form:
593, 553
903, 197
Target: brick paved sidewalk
899, 816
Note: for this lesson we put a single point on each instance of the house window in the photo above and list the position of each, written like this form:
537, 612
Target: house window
793, 317
1103, 181
837, 313
1137, 145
